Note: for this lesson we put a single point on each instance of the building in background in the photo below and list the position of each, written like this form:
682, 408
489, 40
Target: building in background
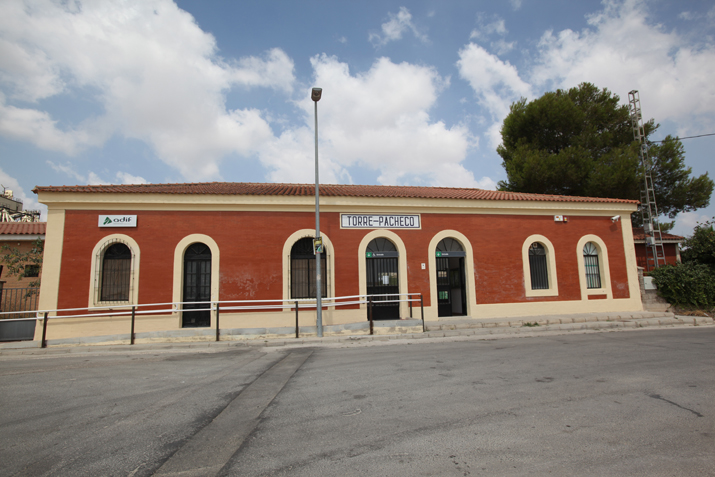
17, 294
11, 209
671, 247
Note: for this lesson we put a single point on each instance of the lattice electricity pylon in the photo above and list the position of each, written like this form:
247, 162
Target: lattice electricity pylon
655, 254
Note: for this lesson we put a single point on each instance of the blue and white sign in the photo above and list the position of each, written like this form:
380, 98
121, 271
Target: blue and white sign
381, 221
117, 220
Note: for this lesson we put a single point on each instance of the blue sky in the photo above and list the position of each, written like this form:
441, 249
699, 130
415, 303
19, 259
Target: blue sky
414, 93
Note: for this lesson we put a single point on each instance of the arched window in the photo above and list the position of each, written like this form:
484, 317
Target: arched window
448, 244
302, 270
591, 265
116, 273
381, 244
538, 267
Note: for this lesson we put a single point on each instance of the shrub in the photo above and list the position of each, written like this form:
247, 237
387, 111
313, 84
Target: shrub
700, 247
686, 285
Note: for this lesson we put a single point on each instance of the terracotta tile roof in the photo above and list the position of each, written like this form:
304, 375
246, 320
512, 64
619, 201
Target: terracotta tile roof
639, 234
326, 190
23, 228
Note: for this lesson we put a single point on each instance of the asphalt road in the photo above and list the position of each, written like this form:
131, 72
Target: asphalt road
612, 403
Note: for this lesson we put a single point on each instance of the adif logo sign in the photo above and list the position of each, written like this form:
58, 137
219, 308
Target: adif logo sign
117, 220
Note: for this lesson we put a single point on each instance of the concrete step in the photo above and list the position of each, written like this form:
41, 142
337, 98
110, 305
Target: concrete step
540, 321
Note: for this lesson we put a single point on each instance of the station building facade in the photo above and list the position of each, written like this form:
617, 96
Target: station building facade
468, 252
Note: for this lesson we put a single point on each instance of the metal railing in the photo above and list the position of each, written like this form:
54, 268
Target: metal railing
14, 300
221, 306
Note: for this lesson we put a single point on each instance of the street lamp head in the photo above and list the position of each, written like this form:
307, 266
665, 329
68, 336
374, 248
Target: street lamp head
315, 95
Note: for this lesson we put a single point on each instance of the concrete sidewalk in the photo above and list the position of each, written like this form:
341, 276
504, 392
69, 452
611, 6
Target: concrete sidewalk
451, 328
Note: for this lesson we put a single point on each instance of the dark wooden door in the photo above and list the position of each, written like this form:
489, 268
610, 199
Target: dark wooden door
197, 286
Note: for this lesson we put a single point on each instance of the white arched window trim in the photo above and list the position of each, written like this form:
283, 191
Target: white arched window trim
553, 289
178, 282
329, 254
468, 269
96, 278
602, 264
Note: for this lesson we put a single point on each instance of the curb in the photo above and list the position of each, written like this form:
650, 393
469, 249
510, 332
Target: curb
479, 331
487, 329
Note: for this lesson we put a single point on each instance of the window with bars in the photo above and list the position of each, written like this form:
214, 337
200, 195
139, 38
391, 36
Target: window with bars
302, 270
591, 265
538, 267
116, 273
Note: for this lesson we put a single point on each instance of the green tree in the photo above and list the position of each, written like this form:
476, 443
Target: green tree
692, 283
700, 247
580, 142
22, 264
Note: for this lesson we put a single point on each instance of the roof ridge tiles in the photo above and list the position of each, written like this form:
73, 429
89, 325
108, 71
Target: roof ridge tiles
332, 190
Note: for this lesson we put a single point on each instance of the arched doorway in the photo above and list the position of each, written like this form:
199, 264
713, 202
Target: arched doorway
451, 279
381, 273
197, 286
302, 270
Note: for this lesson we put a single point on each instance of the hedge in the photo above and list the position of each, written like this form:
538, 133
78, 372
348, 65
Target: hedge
686, 285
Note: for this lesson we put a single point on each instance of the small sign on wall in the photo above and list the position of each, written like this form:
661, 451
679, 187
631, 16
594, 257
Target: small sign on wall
117, 220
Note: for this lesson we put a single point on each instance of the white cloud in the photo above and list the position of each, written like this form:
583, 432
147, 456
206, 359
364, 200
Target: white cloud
515, 4
378, 120
623, 50
395, 27
38, 127
93, 178
153, 72
687, 221
496, 84
29, 202
274, 70
501, 47
126, 178
487, 28
687, 15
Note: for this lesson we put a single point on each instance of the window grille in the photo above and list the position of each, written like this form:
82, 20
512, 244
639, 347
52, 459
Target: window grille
593, 270
381, 244
116, 273
302, 270
538, 267
197, 273
449, 244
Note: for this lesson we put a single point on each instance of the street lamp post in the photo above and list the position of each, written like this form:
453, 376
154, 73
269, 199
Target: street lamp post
315, 96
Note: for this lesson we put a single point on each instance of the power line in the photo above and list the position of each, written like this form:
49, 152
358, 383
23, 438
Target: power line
689, 137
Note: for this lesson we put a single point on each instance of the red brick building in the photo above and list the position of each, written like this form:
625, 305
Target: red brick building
671, 247
468, 252
21, 236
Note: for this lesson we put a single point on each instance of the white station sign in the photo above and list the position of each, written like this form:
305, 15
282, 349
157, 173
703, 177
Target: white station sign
117, 220
381, 221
